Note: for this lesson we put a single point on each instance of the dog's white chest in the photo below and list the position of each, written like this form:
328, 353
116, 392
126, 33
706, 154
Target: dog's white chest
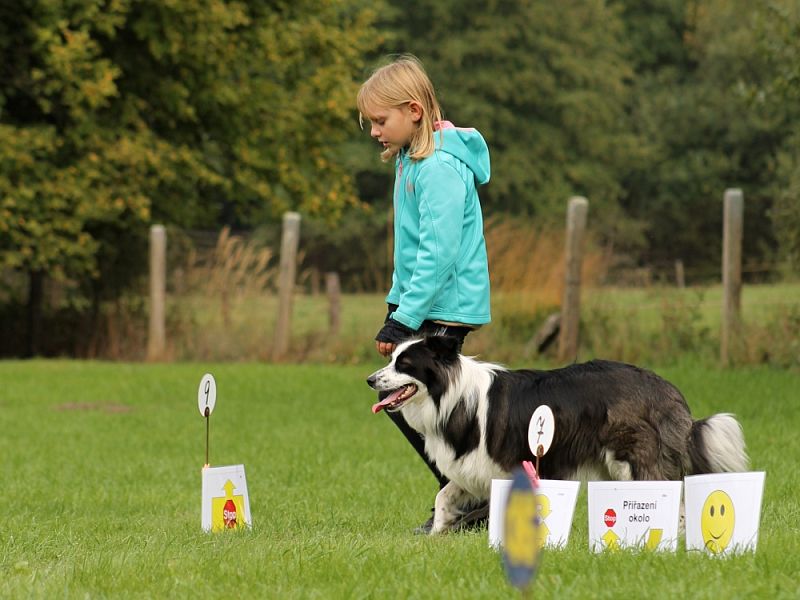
472, 472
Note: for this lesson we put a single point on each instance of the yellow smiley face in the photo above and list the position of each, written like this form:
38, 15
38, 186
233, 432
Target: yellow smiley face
716, 521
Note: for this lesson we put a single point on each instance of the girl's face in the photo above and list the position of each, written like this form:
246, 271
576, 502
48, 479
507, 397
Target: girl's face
394, 127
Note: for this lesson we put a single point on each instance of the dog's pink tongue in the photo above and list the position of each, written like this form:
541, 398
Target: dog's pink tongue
378, 407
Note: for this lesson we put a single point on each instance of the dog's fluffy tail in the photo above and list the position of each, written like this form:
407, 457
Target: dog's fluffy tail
716, 445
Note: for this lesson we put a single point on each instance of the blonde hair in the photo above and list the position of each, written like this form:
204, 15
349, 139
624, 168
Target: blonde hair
394, 85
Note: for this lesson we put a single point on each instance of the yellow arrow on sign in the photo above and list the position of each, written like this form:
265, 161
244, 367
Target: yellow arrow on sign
611, 540
218, 506
542, 512
653, 539
542, 531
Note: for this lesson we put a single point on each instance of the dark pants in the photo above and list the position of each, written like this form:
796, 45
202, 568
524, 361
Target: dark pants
414, 438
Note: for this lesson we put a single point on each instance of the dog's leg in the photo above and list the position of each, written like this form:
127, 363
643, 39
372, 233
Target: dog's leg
447, 507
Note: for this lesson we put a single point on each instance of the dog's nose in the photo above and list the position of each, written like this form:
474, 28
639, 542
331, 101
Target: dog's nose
371, 380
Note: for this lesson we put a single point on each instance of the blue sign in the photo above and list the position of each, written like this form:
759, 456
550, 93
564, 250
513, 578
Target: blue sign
522, 548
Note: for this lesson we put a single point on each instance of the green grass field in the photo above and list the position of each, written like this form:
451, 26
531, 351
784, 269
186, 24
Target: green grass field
101, 492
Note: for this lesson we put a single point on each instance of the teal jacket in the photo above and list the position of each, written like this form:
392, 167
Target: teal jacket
441, 272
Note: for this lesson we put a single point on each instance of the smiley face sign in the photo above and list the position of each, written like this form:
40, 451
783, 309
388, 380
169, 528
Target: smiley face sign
723, 511
717, 521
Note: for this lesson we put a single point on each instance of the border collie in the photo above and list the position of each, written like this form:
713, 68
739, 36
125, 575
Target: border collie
612, 421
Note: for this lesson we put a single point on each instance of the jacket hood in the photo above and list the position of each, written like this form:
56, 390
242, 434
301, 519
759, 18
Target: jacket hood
467, 145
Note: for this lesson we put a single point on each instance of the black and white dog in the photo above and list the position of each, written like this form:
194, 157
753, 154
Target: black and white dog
612, 421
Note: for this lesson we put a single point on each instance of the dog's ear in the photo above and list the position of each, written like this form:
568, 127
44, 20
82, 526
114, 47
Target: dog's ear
443, 346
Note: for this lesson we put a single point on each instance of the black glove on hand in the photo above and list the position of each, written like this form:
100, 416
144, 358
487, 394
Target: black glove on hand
394, 332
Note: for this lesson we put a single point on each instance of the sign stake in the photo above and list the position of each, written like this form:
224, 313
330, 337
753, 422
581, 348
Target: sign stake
208, 427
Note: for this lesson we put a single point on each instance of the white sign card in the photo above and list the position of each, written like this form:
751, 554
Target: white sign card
226, 504
555, 505
634, 514
723, 511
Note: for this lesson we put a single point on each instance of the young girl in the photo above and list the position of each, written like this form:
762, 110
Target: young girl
440, 282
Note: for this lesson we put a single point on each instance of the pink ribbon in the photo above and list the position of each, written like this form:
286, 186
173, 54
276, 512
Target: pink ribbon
530, 470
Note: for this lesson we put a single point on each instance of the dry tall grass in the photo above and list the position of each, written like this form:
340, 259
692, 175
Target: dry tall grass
527, 263
212, 317
526, 266
235, 267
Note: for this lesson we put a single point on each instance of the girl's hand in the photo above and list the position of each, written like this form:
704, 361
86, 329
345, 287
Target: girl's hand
385, 348
391, 334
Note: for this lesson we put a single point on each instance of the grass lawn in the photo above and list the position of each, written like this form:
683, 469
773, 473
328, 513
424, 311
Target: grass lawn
101, 484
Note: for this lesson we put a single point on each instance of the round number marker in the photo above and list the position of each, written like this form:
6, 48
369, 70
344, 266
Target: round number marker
541, 430
207, 394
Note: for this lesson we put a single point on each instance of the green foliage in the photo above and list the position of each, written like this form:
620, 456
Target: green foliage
785, 211
41, 227
651, 109
181, 110
779, 42
654, 29
546, 88
117, 113
53, 177
707, 119
701, 133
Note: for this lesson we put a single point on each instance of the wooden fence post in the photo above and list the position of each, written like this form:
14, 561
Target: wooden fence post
570, 305
334, 291
680, 278
731, 272
286, 282
156, 339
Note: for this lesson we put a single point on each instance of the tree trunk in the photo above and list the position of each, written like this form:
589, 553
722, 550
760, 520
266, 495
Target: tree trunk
35, 311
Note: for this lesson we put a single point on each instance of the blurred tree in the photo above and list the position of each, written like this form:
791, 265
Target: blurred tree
645, 106
116, 113
778, 32
655, 31
700, 130
545, 84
